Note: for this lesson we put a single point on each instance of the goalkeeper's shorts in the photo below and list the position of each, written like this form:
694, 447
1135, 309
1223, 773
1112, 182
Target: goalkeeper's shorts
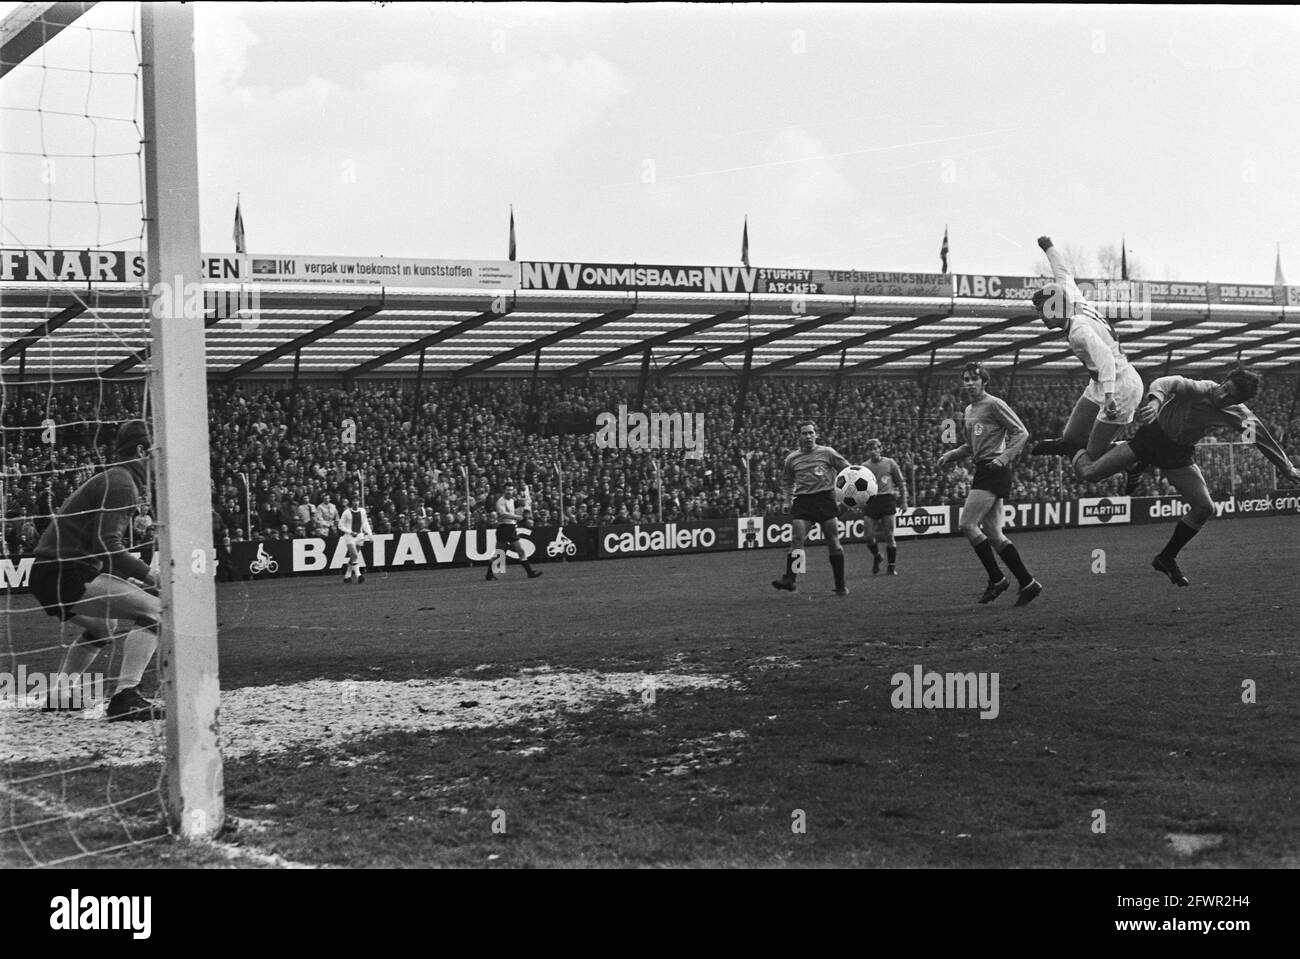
59, 585
506, 534
1153, 446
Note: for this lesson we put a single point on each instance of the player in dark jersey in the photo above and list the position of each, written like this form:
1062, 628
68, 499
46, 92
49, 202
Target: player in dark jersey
84, 575
994, 438
880, 509
1176, 413
808, 482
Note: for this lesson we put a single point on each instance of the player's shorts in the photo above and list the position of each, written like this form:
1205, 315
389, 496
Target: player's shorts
1152, 445
1128, 395
507, 533
815, 507
880, 506
60, 585
992, 479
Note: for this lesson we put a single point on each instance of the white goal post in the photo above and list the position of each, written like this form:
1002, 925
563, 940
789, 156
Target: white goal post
187, 650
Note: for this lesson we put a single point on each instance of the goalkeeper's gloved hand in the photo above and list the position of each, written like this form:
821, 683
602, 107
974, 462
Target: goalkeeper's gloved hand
1044, 243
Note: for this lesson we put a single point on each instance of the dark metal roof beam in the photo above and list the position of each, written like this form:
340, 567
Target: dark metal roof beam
658, 340
802, 326
1066, 354
1235, 347
944, 343
446, 333
1161, 348
542, 342
853, 341
306, 339
139, 356
42, 331
1290, 351
31, 26
1201, 338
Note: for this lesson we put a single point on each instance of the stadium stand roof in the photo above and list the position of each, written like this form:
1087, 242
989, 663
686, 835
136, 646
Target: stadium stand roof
378, 333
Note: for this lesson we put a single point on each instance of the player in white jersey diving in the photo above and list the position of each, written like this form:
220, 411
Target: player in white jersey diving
354, 527
1111, 398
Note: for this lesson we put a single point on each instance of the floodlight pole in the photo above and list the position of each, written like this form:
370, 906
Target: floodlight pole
187, 649
248, 508
749, 500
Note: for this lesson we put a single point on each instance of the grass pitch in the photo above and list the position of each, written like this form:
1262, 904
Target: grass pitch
680, 712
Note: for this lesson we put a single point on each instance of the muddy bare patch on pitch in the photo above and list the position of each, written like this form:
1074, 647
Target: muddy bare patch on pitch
323, 713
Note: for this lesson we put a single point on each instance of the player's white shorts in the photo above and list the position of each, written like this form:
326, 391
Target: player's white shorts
1128, 395
352, 540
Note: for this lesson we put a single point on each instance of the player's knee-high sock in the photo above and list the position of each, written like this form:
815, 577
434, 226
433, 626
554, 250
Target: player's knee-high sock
1011, 556
891, 553
138, 649
871, 545
1182, 533
789, 566
984, 550
76, 661
837, 567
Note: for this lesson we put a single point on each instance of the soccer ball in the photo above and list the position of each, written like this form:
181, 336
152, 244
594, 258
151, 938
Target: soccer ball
854, 486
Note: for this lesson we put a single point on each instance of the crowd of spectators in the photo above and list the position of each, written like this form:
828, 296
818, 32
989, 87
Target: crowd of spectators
285, 462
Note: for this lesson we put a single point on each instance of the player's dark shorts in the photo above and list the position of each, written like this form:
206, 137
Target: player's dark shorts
1152, 445
815, 507
992, 479
880, 506
506, 534
58, 586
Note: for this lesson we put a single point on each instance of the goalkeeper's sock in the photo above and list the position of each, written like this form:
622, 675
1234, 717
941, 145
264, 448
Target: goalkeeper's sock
789, 566
837, 567
1182, 534
1011, 556
891, 553
871, 545
138, 649
984, 550
75, 662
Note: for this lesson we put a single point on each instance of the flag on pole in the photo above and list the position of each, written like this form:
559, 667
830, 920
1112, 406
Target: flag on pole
1278, 278
512, 233
744, 242
239, 228
1123, 258
943, 250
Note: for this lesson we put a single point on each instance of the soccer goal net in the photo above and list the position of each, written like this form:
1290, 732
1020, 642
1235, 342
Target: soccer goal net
108, 678
1234, 468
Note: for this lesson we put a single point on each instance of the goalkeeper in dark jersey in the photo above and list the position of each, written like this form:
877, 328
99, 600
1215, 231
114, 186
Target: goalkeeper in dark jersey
84, 575
1176, 413
808, 482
